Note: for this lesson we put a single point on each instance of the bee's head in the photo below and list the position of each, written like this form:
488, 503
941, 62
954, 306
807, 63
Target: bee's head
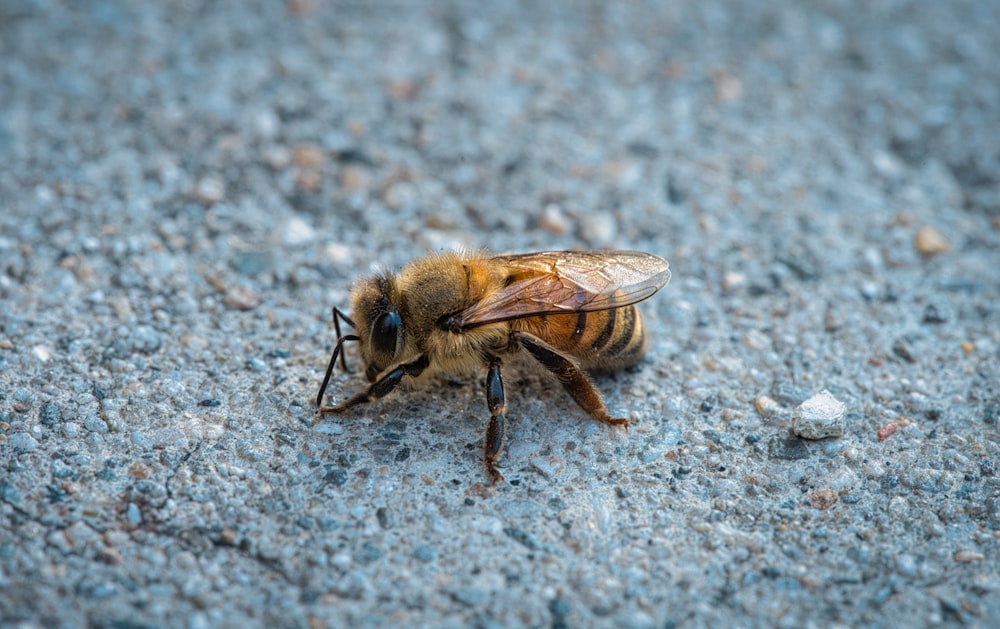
378, 324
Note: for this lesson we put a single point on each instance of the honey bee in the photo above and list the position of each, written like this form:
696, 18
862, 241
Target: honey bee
572, 311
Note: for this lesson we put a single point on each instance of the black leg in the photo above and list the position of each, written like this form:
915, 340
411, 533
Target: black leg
576, 383
382, 387
498, 422
338, 349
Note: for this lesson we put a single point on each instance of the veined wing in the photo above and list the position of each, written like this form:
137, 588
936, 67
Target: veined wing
562, 282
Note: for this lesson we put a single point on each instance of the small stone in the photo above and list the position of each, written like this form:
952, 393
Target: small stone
968, 347
368, 553
277, 157
728, 86
902, 348
547, 466
927, 479
296, 232
766, 407
7, 344
354, 178
819, 417
887, 431
929, 241
470, 596
240, 298
401, 195
309, 181
553, 220
787, 448
967, 556
23, 442
209, 190
336, 254
110, 556
424, 553
93, 423
733, 281
23, 400
933, 315
300, 8
599, 229
823, 499
385, 518
42, 353
308, 156
756, 341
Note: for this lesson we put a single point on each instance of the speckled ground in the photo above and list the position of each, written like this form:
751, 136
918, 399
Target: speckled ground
187, 188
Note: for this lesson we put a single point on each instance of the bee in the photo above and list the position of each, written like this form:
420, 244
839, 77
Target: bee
454, 312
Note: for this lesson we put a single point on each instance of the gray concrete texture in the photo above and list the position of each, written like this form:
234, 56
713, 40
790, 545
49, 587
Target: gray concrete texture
187, 188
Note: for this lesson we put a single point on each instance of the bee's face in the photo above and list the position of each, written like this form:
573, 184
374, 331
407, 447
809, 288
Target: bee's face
379, 325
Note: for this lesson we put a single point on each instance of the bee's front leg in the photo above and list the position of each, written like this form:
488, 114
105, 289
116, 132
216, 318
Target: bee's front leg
382, 387
497, 429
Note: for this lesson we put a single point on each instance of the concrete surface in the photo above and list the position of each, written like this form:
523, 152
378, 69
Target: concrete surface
188, 187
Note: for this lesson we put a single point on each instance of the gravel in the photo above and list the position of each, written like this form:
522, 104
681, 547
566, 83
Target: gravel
188, 188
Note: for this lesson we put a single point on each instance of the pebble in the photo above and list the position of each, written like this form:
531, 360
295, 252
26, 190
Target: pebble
967, 556
470, 596
308, 156
23, 442
927, 479
277, 157
902, 348
23, 400
823, 499
733, 281
756, 341
766, 407
241, 298
929, 242
296, 232
553, 220
424, 553
368, 553
819, 417
145, 340
599, 230
887, 431
209, 190
354, 178
93, 423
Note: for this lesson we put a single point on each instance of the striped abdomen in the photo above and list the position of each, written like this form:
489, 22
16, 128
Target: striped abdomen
602, 340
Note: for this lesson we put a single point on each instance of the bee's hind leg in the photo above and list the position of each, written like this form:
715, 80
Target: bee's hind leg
576, 383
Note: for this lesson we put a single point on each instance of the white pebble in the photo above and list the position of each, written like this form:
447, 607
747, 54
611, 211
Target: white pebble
296, 232
820, 416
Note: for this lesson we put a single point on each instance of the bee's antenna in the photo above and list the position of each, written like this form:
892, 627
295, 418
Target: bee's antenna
337, 316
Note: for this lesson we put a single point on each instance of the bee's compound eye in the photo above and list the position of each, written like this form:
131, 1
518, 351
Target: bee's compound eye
386, 332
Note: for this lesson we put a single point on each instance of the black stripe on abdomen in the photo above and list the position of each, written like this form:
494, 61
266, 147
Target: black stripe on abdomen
605, 336
626, 332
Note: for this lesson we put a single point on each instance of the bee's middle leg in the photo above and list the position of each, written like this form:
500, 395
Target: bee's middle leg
382, 387
576, 383
497, 429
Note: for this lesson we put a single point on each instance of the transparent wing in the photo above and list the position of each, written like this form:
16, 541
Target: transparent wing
561, 282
